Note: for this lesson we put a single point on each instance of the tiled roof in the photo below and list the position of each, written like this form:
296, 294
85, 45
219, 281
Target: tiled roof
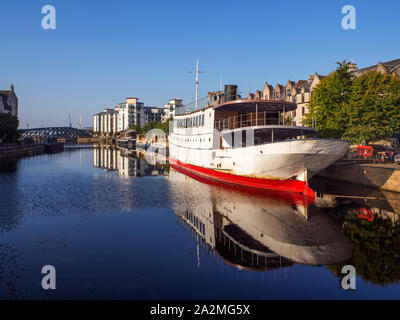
300, 83
5, 92
389, 65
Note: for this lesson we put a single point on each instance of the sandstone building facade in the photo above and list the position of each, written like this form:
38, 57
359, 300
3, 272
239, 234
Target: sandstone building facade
301, 91
9, 102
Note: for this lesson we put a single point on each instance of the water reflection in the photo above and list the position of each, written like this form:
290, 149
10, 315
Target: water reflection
128, 164
369, 202
258, 232
81, 205
370, 220
8, 165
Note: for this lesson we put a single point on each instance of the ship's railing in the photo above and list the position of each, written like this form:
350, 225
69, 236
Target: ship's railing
193, 106
250, 120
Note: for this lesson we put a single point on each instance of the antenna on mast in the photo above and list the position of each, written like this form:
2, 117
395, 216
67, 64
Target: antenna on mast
197, 84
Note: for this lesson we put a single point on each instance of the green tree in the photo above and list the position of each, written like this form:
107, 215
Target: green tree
374, 112
360, 109
329, 104
8, 128
151, 125
135, 127
164, 126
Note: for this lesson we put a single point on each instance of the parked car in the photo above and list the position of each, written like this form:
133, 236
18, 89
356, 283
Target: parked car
397, 158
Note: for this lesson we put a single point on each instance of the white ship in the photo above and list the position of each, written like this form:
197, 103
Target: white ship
247, 142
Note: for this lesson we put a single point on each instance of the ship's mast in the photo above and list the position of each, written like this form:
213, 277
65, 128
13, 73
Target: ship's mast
197, 84
196, 102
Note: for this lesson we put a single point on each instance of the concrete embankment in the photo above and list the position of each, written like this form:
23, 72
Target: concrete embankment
382, 176
30, 150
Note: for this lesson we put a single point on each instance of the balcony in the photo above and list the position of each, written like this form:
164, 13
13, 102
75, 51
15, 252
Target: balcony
249, 120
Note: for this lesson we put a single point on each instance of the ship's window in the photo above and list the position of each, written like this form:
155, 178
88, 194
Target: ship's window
263, 136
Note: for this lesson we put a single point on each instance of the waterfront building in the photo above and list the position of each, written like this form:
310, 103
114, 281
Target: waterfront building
298, 92
125, 114
170, 109
301, 91
105, 122
130, 113
9, 102
153, 114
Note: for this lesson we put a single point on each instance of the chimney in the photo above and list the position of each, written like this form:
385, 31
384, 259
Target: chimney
310, 78
12, 88
352, 67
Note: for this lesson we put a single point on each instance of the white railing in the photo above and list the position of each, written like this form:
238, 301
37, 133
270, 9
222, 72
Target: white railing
249, 120
193, 106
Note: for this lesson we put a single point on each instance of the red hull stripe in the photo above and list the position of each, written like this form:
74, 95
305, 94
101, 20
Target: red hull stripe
282, 185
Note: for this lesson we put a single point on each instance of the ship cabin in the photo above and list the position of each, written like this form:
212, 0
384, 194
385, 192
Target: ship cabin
263, 118
240, 122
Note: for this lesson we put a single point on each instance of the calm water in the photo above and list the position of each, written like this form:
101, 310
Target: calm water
124, 228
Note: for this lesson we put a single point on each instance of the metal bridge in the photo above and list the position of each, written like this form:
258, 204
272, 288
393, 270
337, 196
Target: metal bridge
67, 133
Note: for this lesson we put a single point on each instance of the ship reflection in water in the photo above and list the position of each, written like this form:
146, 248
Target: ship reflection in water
258, 232
262, 231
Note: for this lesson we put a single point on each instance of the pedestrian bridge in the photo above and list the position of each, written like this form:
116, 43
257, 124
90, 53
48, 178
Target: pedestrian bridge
67, 133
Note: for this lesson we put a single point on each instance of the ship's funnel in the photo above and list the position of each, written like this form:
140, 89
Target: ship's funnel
230, 92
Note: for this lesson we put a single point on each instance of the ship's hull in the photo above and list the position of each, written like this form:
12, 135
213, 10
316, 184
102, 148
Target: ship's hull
268, 165
288, 159
244, 181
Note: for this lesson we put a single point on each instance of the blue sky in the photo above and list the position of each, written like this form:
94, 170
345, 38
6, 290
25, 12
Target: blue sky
104, 51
